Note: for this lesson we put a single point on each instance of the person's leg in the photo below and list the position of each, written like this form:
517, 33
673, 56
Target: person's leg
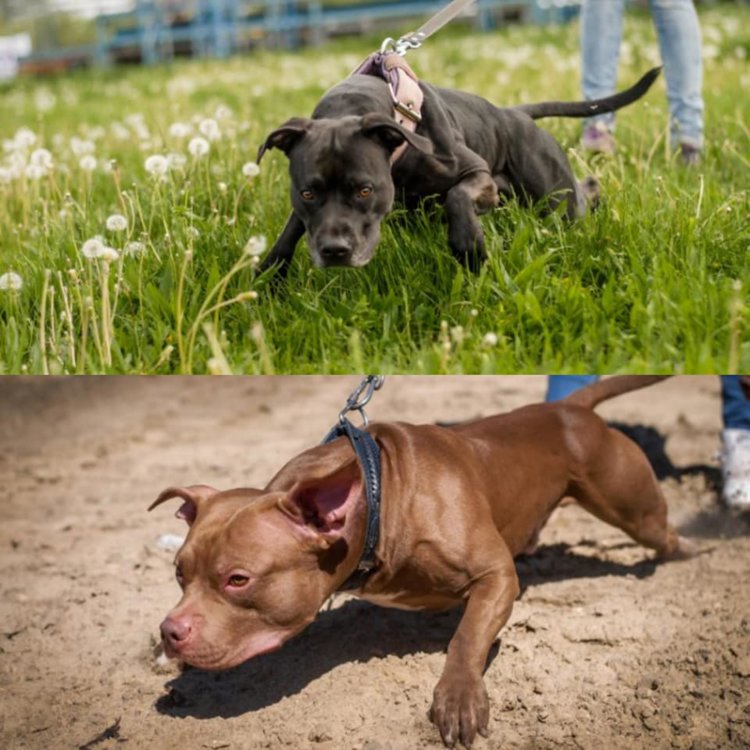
560, 386
601, 32
680, 44
735, 453
735, 406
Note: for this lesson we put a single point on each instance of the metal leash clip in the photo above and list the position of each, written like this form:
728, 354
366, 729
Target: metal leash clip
404, 44
357, 401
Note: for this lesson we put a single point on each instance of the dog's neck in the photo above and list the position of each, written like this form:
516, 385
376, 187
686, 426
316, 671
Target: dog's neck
406, 94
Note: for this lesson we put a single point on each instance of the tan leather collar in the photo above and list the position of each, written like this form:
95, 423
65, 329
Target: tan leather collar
406, 94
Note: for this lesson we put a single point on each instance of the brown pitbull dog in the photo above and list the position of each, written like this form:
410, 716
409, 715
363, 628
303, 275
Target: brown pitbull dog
458, 504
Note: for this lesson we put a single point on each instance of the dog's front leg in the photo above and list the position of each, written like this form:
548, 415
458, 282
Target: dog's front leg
473, 195
460, 707
283, 250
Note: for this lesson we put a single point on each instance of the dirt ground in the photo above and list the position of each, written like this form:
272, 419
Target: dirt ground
604, 649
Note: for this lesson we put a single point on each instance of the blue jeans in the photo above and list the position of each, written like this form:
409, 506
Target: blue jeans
680, 44
735, 408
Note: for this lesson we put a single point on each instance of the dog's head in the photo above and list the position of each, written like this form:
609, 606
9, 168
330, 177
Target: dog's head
257, 566
341, 181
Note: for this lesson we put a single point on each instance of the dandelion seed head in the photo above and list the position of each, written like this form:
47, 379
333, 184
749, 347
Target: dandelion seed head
250, 170
119, 131
179, 130
198, 147
81, 146
135, 248
44, 100
92, 247
24, 138
255, 246
10, 282
222, 187
41, 157
35, 172
109, 254
176, 161
210, 128
223, 112
96, 133
6, 175
490, 339
116, 223
87, 163
156, 165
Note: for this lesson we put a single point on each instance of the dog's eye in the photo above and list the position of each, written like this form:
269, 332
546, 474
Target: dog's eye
178, 574
307, 195
365, 191
237, 580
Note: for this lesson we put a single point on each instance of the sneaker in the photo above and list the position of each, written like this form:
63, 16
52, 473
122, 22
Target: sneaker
598, 139
690, 155
735, 468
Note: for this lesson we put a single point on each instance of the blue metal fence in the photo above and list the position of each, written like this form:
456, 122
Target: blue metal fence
155, 31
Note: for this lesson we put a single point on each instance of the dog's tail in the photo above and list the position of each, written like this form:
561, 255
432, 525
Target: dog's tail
593, 107
591, 395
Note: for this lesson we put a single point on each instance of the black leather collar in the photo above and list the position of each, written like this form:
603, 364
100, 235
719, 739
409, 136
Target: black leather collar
368, 455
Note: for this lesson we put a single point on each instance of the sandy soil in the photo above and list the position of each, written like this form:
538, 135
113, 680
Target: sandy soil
604, 649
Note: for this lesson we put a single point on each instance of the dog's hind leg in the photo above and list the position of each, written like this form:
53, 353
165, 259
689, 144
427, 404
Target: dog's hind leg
538, 169
622, 490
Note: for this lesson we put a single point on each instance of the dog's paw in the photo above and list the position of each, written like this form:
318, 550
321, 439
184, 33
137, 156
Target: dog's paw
460, 709
470, 254
591, 190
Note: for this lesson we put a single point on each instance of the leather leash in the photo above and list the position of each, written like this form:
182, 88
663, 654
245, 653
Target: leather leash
416, 38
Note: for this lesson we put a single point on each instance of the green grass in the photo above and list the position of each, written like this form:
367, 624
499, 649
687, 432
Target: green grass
656, 280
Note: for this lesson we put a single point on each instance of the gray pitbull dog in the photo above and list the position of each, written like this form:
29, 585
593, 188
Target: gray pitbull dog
465, 150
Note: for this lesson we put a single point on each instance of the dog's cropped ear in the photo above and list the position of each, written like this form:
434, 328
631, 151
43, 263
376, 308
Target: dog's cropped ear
387, 132
286, 136
320, 508
194, 497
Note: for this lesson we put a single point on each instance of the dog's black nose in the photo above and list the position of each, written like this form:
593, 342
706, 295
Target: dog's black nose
335, 252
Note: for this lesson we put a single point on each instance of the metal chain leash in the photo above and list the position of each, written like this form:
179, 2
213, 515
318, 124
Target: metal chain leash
361, 396
415, 39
